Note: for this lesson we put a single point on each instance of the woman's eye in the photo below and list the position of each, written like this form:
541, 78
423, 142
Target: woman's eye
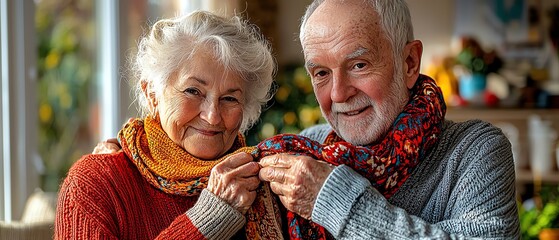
192, 91
230, 99
359, 65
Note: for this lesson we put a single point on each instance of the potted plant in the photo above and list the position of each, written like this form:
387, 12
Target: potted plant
476, 64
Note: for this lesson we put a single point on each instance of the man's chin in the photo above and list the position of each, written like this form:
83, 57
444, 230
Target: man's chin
355, 136
358, 141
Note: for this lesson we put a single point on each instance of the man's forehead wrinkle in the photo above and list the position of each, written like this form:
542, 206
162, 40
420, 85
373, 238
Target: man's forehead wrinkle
320, 33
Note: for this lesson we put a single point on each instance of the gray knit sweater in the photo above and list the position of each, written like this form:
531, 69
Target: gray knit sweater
464, 188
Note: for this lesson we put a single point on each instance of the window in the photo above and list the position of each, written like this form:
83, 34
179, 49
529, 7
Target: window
63, 85
17, 105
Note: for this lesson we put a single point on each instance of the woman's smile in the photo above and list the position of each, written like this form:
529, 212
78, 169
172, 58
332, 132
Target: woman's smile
207, 132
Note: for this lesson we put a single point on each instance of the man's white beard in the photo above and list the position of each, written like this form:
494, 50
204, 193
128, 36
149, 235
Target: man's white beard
373, 126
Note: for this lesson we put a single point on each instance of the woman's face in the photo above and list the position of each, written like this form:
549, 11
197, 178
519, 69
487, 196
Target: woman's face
201, 108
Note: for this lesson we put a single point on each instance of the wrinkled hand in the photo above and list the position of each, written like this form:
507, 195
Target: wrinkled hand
235, 181
295, 179
110, 145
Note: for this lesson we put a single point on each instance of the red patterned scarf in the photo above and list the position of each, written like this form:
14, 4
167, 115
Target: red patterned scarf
387, 165
169, 168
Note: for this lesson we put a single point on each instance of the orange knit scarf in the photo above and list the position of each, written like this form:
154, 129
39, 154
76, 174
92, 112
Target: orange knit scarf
168, 167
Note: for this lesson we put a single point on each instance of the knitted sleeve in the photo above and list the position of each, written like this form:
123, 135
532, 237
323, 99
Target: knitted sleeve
210, 218
82, 210
479, 202
214, 218
86, 210
89, 216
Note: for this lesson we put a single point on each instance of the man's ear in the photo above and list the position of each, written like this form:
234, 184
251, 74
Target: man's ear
149, 93
412, 64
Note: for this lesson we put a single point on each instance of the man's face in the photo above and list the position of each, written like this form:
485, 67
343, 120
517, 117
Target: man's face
350, 62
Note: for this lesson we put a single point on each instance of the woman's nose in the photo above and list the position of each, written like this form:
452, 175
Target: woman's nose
210, 112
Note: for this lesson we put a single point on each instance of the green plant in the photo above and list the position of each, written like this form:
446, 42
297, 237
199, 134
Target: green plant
65, 36
293, 108
475, 59
534, 218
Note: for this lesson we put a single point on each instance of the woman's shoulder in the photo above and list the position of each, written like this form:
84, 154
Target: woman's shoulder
92, 181
99, 161
99, 168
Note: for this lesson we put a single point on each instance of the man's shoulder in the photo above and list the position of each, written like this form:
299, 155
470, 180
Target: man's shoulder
317, 132
470, 129
463, 148
472, 139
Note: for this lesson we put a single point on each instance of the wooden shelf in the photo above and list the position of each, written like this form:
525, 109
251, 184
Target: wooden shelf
518, 117
498, 113
526, 176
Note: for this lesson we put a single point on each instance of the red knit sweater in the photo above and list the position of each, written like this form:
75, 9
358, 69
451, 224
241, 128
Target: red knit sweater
105, 197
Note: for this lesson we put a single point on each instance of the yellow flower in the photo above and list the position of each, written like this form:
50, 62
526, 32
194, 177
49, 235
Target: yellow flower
52, 60
307, 117
45, 113
289, 118
283, 93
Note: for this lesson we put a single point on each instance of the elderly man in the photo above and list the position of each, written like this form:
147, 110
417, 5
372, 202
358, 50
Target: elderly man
438, 179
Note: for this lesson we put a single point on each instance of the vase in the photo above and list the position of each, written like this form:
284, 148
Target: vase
472, 86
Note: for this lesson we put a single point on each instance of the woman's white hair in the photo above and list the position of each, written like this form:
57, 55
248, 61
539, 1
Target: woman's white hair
394, 16
237, 45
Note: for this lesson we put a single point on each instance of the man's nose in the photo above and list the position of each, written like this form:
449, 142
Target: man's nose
342, 88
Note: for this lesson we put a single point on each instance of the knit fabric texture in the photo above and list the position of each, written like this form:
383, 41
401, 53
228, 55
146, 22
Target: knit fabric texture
170, 168
166, 167
163, 163
105, 197
463, 188
386, 164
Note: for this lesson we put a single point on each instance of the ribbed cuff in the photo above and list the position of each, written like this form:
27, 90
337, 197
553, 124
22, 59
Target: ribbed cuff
334, 201
214, 218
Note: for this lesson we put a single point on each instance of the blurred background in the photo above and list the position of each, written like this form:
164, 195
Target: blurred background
65, 85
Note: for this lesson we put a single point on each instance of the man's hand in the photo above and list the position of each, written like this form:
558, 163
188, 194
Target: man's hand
235, 181
295, 179
110, 145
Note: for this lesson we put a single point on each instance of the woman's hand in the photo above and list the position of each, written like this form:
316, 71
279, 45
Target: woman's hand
235, 181
108, 146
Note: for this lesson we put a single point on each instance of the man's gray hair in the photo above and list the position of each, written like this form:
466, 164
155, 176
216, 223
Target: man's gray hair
394, 16
239, 46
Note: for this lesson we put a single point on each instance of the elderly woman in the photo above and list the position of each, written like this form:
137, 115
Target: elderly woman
183, 172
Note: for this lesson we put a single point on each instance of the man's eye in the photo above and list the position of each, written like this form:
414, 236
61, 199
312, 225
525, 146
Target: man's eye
359, 65
320, 74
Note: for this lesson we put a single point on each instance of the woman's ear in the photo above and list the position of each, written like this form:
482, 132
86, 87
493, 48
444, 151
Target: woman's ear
412, 64
149, 93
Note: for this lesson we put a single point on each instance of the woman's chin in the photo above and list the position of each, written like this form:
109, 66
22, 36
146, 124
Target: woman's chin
204, 152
